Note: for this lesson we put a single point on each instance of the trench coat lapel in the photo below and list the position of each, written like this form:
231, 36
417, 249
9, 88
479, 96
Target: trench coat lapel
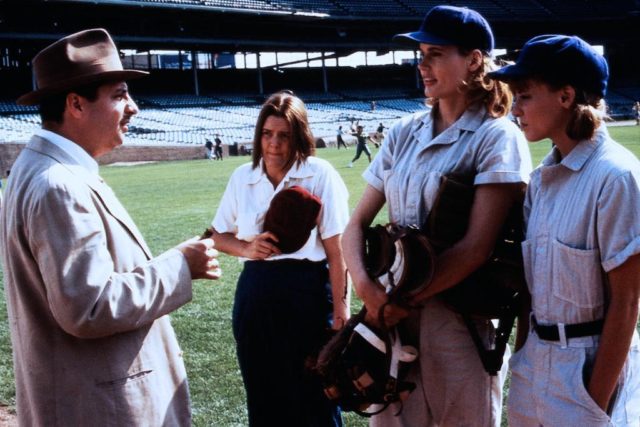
104, 193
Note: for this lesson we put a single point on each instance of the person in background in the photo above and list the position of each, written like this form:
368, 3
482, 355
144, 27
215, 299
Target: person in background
465, 132
218, 148
636, 108
339, 140
285, 298
361, 147
87, 302
208, 147
581, 253
379, 137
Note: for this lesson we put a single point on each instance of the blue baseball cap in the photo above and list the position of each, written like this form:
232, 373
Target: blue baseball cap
451, 25
560, 60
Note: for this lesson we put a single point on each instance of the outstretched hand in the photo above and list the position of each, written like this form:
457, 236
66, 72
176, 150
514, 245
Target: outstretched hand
201, 257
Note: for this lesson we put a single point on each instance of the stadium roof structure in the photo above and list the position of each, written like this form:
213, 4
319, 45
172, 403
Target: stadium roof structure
300, 25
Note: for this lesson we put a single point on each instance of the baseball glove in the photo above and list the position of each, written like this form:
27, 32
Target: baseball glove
493, 290
498, 288
401, 259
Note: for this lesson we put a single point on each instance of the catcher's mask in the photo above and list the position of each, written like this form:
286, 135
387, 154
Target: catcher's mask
362, 366
399, 258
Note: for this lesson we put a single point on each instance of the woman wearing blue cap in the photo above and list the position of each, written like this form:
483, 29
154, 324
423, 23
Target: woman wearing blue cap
465, 132
580, 364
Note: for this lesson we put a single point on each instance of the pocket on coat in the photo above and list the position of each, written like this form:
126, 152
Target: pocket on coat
577, 275
119, 382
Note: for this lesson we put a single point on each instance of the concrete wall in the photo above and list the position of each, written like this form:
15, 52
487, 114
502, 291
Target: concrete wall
9, 152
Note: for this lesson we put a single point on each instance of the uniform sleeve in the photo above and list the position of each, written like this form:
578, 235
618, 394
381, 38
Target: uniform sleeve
334, 214
75, 255
503, 156
618, 224
225, 220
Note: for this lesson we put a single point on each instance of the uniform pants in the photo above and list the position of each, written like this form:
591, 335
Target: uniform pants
452, 387
281, 313
548, 386
359, 150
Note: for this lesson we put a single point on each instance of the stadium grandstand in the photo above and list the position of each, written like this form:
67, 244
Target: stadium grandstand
212, 62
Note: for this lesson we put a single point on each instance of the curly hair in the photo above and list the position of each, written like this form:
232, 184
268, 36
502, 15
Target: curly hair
480, 89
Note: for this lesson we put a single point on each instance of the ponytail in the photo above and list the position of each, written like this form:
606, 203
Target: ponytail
587, 115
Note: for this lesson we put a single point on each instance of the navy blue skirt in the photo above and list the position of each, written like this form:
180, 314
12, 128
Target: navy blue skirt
281, 313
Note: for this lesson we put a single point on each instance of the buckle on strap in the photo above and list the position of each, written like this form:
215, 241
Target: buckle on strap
563, 333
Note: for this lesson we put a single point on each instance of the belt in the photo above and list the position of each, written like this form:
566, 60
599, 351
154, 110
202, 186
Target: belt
562, 332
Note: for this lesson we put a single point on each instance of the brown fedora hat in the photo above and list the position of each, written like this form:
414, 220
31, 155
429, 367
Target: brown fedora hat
86, 57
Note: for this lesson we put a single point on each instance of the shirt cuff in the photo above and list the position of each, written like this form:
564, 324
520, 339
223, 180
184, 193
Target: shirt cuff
500, 177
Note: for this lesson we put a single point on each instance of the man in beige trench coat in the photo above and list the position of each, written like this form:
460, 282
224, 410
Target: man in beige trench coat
87, 302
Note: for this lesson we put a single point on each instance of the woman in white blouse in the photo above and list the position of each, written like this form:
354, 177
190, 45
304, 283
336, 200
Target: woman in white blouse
284, 302
580, 364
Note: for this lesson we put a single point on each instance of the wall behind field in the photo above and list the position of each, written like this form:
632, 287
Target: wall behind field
9, 152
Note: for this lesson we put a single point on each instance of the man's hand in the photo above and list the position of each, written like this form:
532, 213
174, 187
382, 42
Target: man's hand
201, 257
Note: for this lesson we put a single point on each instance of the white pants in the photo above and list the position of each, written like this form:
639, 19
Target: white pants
548, 386
452, 387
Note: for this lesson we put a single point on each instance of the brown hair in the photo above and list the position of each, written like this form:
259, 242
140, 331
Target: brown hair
52, 108
585, 117
587, 113
480, 89
291, 108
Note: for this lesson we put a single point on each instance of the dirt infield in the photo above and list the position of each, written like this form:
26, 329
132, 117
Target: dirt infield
7, 418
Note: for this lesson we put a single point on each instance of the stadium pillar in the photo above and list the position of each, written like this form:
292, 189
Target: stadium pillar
324, 74
259, 67
194, 66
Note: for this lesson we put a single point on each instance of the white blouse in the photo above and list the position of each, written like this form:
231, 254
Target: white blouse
249, 193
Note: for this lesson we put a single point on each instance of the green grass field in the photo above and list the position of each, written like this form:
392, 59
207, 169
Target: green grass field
173, 201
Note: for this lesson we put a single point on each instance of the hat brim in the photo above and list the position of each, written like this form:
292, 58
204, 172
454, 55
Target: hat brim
510, 73
417, 37
36, 96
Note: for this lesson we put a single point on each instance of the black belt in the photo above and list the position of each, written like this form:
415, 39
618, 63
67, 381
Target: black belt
575, 330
